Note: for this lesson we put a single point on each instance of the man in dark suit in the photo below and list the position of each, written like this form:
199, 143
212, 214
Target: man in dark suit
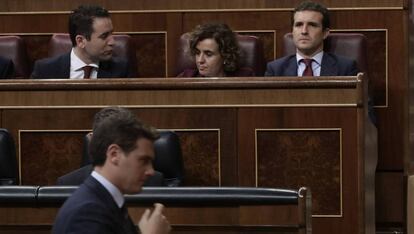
310, 27
6, 68
122, 151
90, 29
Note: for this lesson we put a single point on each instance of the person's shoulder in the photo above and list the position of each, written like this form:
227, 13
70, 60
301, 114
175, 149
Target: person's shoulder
340, 58
75, 177
346, 66
4, 60
281, 66
282, 60
52, 60
189, 73
6, 68
80, 212
52, 67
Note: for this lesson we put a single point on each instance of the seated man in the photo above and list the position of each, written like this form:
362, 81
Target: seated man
90, 29
310, 27
6, 68
122, 151
77, 177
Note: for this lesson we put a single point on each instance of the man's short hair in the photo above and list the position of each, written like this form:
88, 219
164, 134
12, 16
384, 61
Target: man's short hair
121, 128
313, 6
107, 112
81, 20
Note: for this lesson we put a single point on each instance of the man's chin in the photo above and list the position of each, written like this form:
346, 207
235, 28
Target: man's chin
105, 57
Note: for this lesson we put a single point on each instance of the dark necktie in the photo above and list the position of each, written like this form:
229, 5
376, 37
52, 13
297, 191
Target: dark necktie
124, 211
87, 70
128, 219
308, 70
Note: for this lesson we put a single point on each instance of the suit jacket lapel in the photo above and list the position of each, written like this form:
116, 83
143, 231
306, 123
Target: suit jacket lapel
291, 67
329, 65
64, 66
104, 70
125, 223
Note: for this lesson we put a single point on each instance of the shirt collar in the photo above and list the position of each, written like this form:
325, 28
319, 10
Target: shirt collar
316, 58
77, 64
112, 189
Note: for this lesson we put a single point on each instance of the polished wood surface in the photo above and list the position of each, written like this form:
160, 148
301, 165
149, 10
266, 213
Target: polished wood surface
56, 5
224, 126
178, 92
184, 219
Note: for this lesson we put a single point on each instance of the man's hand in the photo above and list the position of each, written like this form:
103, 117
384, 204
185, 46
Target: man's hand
155, 222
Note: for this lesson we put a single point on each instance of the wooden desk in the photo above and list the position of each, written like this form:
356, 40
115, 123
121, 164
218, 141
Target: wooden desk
267, 132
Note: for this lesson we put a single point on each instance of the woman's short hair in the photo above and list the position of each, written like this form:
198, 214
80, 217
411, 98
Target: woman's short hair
224, 37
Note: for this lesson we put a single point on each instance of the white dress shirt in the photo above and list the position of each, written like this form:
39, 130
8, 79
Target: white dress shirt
76, 67
112, 189
316, 64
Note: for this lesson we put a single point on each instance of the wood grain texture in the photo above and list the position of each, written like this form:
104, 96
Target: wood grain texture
201, 159
213, 134
44, 156
56, 5
296, 158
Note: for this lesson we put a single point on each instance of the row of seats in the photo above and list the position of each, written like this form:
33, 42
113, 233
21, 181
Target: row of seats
168, 158
351, 45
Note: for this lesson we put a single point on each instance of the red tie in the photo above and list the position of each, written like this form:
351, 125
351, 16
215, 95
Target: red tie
87, 70
308, 70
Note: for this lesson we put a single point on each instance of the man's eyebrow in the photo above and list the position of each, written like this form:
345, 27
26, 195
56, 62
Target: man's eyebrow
313, 23
105, 34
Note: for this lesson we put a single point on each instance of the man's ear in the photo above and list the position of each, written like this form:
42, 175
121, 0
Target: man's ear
326, 33
113, 154
80, 41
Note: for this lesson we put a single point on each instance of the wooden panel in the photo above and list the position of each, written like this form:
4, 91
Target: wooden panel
390, 198
316, 118
201, 160
36, 47
268, 40
196, 126
392, 137
44, 156
151, 54
54, 5
377, 62
289, 158
333, 103
60, 152
56, 143
183, 219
